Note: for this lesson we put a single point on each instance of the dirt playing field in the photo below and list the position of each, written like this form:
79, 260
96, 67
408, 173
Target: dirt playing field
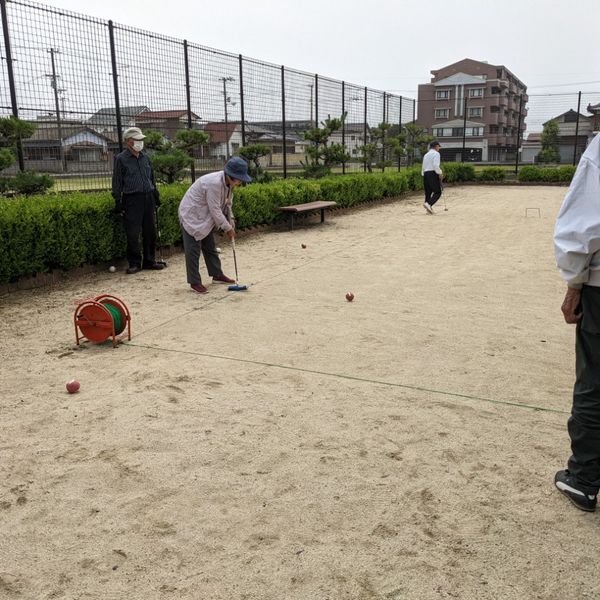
283, 443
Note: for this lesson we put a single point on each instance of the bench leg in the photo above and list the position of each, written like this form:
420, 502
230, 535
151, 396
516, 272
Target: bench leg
322, 215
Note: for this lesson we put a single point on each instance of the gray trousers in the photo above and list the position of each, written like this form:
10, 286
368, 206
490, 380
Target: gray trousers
193, 249
584, 423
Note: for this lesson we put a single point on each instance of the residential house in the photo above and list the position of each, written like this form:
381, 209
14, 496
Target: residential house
495, 103
72, 148
105, 120
168, 122
571, 131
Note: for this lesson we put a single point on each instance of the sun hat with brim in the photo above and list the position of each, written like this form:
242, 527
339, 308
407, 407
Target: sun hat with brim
133, 133
237, 168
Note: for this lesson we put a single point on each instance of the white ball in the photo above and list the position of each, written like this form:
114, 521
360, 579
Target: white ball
112, 269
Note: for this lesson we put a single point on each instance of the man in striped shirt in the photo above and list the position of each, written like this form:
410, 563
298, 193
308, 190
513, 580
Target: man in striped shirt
136, 198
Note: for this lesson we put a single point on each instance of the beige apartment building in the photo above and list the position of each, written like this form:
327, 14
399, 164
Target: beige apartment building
492, 96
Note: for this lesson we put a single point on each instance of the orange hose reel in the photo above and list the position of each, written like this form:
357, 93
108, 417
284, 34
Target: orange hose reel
100, 318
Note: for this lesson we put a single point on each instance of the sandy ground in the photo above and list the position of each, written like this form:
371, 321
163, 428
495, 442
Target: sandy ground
284, 443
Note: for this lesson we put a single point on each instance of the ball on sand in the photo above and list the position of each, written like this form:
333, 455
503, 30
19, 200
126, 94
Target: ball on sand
304, 245
349, 296
73, 386
112, 268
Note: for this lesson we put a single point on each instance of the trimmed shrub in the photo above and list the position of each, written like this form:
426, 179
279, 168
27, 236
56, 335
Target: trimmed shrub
562, 174
454, 172
491, 174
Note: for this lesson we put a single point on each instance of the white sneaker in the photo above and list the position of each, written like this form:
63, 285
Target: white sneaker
428, 208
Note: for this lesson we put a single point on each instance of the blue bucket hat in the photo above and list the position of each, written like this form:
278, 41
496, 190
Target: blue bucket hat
237, 168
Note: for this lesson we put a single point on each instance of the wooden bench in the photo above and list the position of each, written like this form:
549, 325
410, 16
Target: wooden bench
296, 209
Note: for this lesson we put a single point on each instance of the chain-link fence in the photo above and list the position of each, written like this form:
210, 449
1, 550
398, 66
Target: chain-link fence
81, 81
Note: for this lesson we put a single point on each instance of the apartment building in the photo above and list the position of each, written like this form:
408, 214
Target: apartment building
479, 102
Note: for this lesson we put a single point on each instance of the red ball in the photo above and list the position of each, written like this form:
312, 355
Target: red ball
349, 296
73, 386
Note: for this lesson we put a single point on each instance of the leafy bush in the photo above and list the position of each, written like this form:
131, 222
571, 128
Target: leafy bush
29, 183
491, 174
562, 174
454, 172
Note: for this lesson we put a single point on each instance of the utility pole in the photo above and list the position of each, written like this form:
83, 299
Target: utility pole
54, 83
226, 100
311, 86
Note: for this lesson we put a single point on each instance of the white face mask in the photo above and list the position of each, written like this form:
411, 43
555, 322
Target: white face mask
138, 146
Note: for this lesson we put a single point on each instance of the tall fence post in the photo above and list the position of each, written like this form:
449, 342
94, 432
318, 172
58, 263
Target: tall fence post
316, 100
242, 114
519, 133
188, 98
365, 132
400, 132
11, 79
577, 129
383, 135
113, 60
283, 121
462, 156
344, 124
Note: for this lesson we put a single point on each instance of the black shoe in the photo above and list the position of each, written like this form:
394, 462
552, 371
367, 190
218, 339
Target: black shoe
568, 485
156, 266
133, 269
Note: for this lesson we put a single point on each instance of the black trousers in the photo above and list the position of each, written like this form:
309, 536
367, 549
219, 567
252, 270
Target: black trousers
139, 220
433, 187
584, 422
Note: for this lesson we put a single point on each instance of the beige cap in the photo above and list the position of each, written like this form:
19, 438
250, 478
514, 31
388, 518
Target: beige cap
134, 133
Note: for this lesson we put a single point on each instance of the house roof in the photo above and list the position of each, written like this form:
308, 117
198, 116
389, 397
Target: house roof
50, 134
108, 115
458, 123
460, 79
218, 133
165, 114
568, 112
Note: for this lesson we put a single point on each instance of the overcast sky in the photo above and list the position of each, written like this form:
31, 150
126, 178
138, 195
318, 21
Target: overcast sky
391, 45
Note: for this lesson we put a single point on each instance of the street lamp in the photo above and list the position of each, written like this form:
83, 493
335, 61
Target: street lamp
226, 100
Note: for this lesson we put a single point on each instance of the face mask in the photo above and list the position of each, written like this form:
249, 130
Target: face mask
138, 146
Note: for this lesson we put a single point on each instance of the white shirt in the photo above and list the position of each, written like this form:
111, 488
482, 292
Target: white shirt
577, 231
207, 204
431, 162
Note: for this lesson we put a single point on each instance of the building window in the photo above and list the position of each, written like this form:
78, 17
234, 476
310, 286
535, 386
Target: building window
495, 90
442, 94
441, 113
499, 73
475, 131
493, 128
495, 109
476, 93
475, 112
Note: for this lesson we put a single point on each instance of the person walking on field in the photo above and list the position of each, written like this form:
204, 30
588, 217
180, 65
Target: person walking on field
577, 249
136, 199
207, 206
432, 176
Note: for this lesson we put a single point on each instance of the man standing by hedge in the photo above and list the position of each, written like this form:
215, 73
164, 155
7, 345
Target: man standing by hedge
577, 248
432, 176
206, 206
136, 198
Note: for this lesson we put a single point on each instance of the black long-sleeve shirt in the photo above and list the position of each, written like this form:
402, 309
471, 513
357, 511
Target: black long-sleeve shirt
132, 175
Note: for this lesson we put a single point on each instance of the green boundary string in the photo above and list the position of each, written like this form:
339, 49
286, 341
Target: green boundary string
352, 378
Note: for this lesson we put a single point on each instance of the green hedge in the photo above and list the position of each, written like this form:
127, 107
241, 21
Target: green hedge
491, 174
41, 233
562, 174
454, 172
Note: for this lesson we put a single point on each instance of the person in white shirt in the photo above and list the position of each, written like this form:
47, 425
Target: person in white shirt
206, 206
432, 176
577, 250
